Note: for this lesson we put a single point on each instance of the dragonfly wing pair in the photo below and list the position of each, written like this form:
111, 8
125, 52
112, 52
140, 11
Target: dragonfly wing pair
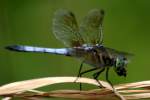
89, 32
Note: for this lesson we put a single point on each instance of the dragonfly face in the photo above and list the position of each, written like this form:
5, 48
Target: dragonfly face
120, 65
83, 41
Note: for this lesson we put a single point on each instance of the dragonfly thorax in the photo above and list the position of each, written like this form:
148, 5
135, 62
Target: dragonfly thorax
96, 56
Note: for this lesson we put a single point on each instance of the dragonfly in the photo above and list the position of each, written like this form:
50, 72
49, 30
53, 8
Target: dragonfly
84, 42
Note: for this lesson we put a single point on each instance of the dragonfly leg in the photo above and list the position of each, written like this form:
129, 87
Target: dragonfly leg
79, 73
96, 75
107, 77
86, 72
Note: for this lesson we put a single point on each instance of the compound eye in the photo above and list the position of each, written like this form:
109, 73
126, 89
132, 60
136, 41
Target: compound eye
119, 63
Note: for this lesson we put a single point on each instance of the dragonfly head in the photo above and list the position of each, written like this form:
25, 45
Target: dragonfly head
120, 65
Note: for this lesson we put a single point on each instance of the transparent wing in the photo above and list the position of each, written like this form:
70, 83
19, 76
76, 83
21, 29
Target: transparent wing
91, 27
66, 29
115, 53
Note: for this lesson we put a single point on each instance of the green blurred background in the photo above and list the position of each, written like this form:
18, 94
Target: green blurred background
28, 22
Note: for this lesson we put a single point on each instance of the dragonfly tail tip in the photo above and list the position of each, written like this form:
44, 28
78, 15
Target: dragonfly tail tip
13, 48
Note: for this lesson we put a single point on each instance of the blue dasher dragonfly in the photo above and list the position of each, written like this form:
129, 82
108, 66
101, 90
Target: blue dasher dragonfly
84, 42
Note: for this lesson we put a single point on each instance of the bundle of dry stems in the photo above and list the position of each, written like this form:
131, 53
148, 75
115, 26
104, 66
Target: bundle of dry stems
26, 90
